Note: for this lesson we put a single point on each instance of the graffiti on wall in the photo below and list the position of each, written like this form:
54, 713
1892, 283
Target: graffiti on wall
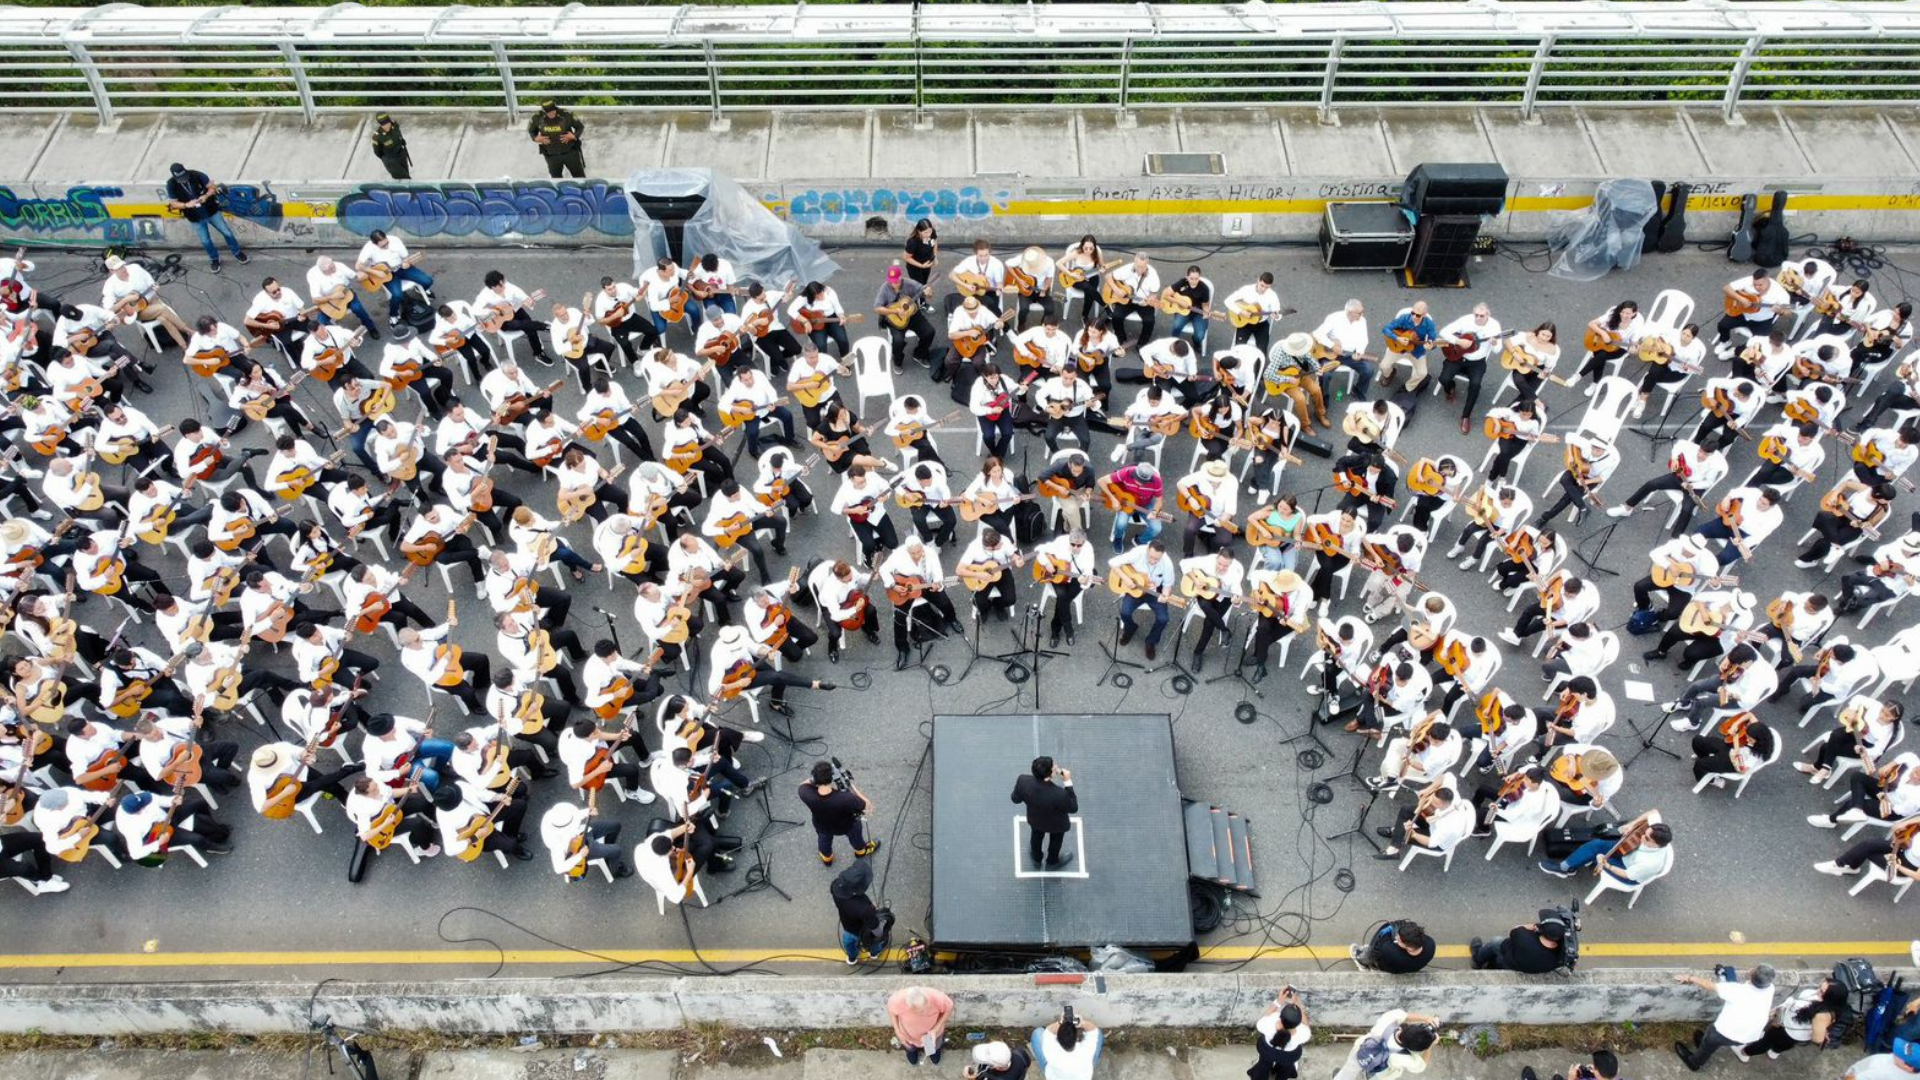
255, 203
82, 209
517, 208
841, 205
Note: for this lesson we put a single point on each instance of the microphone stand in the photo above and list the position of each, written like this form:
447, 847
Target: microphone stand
1648, 737
1592, 563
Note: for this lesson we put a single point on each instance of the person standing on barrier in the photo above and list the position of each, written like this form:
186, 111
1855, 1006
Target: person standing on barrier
390, 146
557, 132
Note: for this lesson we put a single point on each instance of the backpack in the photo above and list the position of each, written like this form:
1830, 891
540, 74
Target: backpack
1372, 1055
1643, 622
1883, 1015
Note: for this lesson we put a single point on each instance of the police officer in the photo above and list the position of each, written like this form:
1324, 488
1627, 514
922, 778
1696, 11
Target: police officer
557, 131
390, 146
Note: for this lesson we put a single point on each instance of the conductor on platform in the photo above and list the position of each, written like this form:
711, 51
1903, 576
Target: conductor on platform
1049, 810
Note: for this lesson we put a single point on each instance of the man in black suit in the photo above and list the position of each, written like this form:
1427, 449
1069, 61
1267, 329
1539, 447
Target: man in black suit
1048, 810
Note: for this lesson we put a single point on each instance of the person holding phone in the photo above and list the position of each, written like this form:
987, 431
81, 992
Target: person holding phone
1282, 1036
1068, 1048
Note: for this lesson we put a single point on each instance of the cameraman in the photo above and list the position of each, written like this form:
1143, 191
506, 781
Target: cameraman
1536, 948
1400, 947
1068, 1048
837, 807
1606, 1066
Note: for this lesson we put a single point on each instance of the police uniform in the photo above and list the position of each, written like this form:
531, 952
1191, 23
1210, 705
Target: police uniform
562, 157
390, 146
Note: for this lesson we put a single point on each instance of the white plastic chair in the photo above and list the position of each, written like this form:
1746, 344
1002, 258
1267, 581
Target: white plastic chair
1512, 832
1671, 310
1607, 410
1609, 883
873, 370
1445, 855
1876, 871
1740, 779
662, 899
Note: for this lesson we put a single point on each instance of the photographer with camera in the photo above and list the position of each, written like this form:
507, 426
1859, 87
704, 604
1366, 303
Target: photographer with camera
1745, 1006
837, 807
1605, 1066
1536, 948
1397, 1043
1282, 1036
863, 927
1068, 1048
1398, 947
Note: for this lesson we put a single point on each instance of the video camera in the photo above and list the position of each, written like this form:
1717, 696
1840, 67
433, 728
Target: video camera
842, 776
1569, 920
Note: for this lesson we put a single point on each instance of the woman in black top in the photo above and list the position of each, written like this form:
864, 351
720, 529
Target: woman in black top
863, 927
923, 250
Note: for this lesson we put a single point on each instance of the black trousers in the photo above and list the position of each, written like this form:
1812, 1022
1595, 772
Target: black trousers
923, 334
941, 606
1052, 840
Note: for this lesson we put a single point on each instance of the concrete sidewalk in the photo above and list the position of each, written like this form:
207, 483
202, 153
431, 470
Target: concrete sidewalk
68, 178
1191, 1063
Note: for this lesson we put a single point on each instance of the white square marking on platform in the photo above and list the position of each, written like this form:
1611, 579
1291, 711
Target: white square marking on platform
1637, 690
1076, 843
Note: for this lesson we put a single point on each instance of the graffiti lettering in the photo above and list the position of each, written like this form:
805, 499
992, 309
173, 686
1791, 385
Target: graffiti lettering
256, 204
1359, 190
834, 207
83, 209
514, 208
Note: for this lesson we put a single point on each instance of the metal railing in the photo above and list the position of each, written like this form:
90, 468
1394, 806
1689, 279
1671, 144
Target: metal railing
1525, 55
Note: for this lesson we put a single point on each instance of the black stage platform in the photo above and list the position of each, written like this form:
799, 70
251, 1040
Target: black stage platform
1127, 883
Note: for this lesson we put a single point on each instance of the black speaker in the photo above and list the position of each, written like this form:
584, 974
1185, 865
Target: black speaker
1442, 246
1462, 188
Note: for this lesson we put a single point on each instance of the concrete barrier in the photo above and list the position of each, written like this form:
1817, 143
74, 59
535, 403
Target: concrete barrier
500, 1006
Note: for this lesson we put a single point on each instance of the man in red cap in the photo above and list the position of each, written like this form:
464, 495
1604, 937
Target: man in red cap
901, 293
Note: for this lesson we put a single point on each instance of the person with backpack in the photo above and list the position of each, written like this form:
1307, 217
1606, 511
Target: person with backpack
1399, 1042
1813, 1015
1398, 947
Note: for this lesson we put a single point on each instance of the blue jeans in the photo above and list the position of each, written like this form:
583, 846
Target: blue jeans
206, 229
724, 301
1589, 853
1194, 325
432, 755
360, 311
850, 944
695, 316
1149, 528
1363, 372
405, 274
1717, 530
1131, 604
568, 557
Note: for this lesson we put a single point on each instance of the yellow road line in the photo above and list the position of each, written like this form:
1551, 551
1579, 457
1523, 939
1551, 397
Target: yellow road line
430, 957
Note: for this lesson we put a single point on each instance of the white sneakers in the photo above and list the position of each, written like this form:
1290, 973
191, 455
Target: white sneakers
1821, 821
1834, 868
54, 884
753, 736
1623, 510
1507, 635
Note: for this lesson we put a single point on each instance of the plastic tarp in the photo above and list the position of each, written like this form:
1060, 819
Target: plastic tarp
731, 223
1607, 235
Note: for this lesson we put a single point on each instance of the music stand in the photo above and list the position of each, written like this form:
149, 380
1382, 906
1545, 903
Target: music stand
1592, 562
1649, 738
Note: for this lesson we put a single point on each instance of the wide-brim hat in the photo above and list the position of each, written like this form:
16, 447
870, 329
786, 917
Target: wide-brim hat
1297, 344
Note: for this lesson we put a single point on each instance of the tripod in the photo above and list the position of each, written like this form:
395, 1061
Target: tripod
1649, 738
1239, 672
1173, 660
1114, 661
1029, 639
1360, 824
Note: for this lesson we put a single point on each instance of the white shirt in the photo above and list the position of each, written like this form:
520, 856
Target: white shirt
1144, 286
392, 253
1338, 331
1744, 1008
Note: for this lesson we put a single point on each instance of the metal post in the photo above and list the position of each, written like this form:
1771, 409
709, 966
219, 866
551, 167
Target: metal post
1533, 76
507, 85
713, 77
1338, 43
919, 79
101, 102
1738, 81
1126, 70
299, 72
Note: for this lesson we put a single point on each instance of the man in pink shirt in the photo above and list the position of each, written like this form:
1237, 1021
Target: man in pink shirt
920, 1015
1143, 483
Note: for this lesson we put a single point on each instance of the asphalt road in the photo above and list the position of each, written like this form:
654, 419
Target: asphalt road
280, 906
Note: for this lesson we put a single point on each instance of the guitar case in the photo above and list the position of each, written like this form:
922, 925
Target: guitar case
1650, 238
1673, 227
1740, 244
1313, 446
1770, 237
357, 864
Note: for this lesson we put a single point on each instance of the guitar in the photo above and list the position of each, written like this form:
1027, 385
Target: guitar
576, 339
1132, 581
815, 387
330, 359
675, 394
1200, 505
1456, 350
1070, 276
374, 277
573, 503
297, 481
970, 341
907, 588
432, 545
476, 831
518, 403
809, 321
913, 431
899, 313
986, 504
210, 362
499, 311
742, 410
134, 694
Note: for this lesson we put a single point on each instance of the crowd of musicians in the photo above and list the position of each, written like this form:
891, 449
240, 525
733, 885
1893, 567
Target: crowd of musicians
668, 433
